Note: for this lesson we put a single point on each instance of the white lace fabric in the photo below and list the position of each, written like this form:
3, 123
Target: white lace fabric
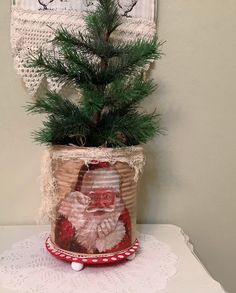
32, 29
27, 267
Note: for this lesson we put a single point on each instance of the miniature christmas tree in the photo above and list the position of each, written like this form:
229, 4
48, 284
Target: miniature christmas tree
110, 76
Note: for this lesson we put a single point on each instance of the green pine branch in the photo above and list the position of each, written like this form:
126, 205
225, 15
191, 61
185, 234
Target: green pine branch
65, 120
104, 20
127, 128
74, 66
122, 93
71, 67
92, 101
58, 130
52, 103
87, 44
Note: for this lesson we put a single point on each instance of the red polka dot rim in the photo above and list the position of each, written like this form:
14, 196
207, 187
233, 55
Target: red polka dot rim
91, 260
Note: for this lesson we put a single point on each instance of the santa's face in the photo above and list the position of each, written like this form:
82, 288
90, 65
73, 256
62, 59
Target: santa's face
101, 200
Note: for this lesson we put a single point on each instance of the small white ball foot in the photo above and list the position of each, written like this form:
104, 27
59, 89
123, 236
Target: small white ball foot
76, 266
131, 257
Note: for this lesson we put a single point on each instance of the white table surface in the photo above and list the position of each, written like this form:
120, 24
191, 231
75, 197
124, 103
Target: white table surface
191, 276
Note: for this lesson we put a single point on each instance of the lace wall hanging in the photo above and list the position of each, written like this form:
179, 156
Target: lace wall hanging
33, 22
131, 8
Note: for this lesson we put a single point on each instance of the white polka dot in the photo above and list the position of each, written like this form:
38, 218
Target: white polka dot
57, 253
121, 256
135, 247
105, 260
113, 258
62, 255
68, 257
84, 260
127, 253
94, 260
131, 250
74, 258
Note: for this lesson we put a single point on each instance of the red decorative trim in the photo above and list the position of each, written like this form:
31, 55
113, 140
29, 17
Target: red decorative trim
98, 259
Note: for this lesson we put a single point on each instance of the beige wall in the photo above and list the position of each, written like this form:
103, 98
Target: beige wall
19, 158
190, 173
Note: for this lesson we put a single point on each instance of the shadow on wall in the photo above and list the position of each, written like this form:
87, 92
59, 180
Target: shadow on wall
149, 180
160, 181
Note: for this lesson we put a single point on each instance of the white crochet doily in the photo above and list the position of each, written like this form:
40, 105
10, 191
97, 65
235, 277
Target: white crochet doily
27, 267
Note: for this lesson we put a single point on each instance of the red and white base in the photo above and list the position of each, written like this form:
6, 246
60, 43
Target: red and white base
78, 261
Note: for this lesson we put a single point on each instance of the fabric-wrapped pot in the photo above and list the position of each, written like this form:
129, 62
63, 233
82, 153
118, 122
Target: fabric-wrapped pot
90, 198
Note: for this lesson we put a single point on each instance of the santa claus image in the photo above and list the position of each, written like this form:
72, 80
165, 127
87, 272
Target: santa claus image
93, 218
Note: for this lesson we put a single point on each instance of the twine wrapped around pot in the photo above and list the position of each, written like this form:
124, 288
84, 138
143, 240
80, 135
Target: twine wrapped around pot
89, 195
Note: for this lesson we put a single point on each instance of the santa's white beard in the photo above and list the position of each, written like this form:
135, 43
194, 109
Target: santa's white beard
87, 234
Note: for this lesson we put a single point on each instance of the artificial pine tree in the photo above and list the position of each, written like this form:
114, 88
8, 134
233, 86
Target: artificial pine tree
109, 75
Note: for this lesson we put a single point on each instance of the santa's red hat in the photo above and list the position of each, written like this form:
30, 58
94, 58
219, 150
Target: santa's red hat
100, 175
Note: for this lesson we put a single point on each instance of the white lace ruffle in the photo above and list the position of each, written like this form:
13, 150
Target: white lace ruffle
27, 267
